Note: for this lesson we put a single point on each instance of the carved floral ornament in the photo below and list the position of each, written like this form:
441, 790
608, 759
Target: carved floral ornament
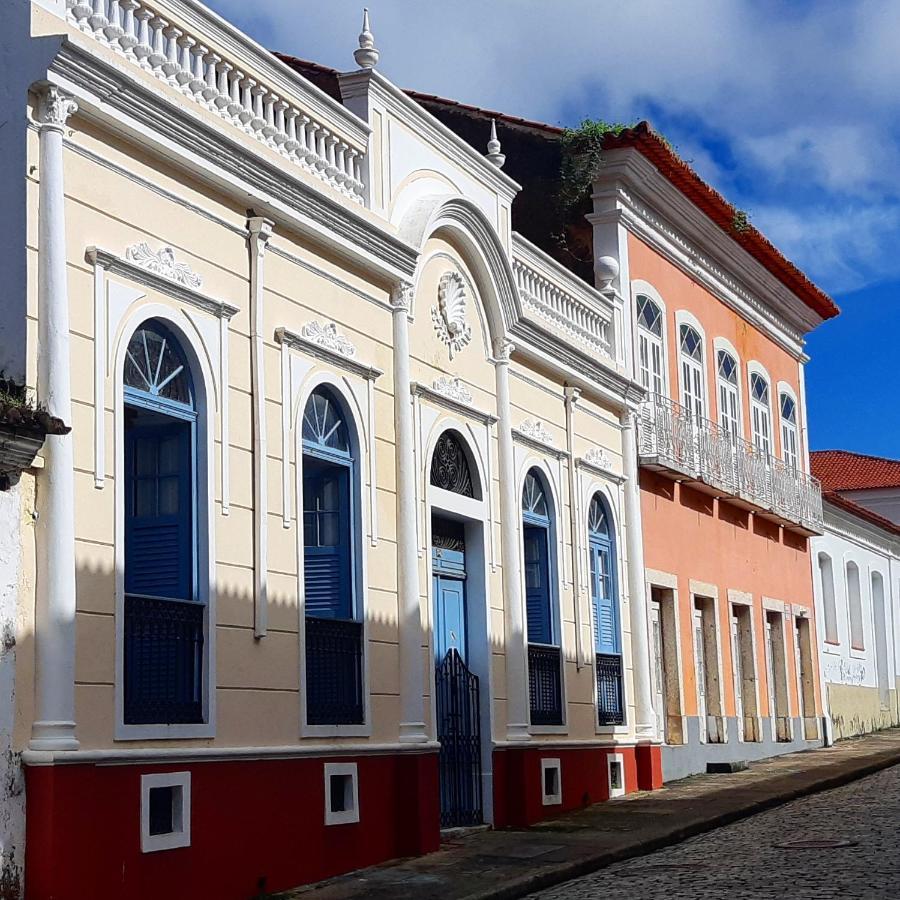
55, 108
329, 337
163, 262
597, 457
449, 315
452, 388
537, 431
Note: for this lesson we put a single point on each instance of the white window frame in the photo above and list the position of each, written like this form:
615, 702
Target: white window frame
152, 843
615, 759
831, 631
755, 368
786, 428
554, 799
723, 345
683, 317
345, 816
639, 287
855, 609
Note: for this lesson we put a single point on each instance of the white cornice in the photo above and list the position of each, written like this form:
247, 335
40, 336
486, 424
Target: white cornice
426, 126
844, 524
118, 265
454, 405
630, 189
148, 116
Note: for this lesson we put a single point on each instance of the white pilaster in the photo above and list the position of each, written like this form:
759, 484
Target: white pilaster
572, 394
412, 705
260, 232
54, 718
637, 586
517, 707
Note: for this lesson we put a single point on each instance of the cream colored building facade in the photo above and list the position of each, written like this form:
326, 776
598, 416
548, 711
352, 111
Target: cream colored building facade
177, 177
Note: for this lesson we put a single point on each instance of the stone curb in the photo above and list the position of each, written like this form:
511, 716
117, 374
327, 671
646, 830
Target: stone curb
846, 772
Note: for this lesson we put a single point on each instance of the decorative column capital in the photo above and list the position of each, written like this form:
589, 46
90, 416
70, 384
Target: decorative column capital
503, 349
573, 394
401, 297
54, 109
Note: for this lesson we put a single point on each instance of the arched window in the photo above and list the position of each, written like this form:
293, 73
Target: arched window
605, 603
164, 620
691, 352
330, 529
650, 344
788, 408
759, 413
729, 405
854, 602
450, 466
829, 608
544, 660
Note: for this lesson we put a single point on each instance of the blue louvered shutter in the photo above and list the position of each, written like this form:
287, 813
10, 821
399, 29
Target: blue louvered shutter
606, 626
326, 519
537, 584
158, 502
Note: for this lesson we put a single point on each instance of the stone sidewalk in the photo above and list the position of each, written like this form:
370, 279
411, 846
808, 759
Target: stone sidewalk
514, 863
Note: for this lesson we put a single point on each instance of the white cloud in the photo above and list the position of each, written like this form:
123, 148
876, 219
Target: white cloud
804, 94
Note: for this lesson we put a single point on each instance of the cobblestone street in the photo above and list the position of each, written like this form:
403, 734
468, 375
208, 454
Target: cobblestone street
744, 860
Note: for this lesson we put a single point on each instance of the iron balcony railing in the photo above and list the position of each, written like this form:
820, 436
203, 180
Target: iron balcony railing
163, 661
672, 437
545, 684
610, 705
334, 677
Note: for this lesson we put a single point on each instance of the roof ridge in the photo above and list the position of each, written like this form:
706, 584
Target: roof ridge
856, 453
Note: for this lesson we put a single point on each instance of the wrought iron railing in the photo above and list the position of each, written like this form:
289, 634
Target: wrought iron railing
610, 702
674, 438
545, 684
334, 677
163, 661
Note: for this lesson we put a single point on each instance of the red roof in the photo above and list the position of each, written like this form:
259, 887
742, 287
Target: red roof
841, 470
682, 176
863, 512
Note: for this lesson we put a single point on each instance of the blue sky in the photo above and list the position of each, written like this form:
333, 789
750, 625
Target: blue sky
790, 108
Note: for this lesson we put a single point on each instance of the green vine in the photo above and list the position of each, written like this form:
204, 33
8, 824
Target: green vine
582, 149
740, 222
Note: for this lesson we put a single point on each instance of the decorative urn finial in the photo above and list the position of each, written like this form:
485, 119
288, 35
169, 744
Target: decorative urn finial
367, 55
606, 270
493, 147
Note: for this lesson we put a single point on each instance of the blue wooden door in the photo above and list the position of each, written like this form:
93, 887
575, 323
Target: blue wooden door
448, 567
158, 511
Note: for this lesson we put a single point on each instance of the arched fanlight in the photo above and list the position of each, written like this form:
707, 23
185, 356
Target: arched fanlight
598, 520
324, 425
534, 500
155, 365
450, 467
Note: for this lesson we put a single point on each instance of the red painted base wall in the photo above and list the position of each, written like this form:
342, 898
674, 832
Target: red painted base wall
585, 780
255, 826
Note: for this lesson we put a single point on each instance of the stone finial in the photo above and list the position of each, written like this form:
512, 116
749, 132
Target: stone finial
606, 270
493, 147
367, 55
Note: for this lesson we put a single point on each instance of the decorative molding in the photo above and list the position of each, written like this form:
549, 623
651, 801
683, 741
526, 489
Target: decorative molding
328, 337
449, 316
537, 431
127, 268
163, 262
402, 296
326, 354
503, 350
452, 388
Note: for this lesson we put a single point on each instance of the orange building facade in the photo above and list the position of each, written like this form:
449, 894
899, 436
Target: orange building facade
727, 502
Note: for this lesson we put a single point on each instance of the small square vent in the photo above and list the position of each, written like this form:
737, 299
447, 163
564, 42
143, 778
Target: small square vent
551, 782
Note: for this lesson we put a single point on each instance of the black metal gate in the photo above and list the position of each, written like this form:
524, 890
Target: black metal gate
459, 732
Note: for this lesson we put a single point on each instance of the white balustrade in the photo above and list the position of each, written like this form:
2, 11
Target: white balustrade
562, 299
674, 439
140, 32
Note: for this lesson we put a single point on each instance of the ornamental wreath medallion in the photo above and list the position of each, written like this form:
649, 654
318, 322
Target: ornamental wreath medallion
449, 316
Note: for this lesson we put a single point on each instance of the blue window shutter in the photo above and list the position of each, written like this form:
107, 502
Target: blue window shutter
606, 626
159, 549
537, 584
327, 573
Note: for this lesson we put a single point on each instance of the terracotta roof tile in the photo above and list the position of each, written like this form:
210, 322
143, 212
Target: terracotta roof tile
842, 470
862, 512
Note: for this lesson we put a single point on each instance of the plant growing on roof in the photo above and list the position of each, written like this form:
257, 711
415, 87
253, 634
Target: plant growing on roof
582, 149
740, 221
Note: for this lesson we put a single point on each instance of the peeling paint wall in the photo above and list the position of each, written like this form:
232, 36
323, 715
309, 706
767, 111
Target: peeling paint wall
12, 784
